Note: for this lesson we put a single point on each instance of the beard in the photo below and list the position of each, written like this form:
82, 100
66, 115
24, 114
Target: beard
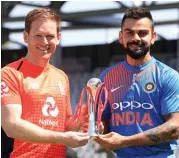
139, 52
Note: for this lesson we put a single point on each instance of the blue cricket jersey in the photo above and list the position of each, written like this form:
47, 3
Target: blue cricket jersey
139, 96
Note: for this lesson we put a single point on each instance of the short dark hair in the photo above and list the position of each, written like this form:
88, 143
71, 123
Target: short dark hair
137, 13
41, 14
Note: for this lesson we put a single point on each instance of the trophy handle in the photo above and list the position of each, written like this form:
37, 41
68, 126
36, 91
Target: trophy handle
80, 103
100, 103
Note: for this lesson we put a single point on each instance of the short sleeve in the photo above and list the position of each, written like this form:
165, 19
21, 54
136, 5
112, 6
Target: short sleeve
170, 93
10, 86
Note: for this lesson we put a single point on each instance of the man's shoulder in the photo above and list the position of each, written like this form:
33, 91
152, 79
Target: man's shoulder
166, 72
165, 69
11, 67
57, 71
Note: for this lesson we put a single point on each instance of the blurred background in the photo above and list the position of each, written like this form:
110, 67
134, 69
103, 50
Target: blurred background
89, 41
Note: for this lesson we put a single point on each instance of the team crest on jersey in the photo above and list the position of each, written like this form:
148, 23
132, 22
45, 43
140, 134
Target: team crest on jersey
149, 87
32, 85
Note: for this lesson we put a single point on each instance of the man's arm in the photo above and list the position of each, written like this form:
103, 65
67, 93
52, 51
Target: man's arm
17, 128
162, 134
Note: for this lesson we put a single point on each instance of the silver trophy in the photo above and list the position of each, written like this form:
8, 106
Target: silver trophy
96, 100
96, 106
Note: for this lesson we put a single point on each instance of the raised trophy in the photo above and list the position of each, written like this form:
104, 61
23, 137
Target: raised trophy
96, 101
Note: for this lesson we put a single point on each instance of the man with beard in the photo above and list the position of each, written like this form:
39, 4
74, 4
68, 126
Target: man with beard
141, 118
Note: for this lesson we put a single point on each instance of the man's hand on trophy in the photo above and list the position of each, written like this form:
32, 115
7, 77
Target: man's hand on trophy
112, 141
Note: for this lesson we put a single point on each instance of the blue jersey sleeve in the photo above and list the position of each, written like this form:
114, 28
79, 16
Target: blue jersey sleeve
170, 95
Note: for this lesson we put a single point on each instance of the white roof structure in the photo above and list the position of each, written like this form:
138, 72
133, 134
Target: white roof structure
88, 22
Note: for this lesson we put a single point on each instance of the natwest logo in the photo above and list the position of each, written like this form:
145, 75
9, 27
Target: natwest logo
131, 105
49, 108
